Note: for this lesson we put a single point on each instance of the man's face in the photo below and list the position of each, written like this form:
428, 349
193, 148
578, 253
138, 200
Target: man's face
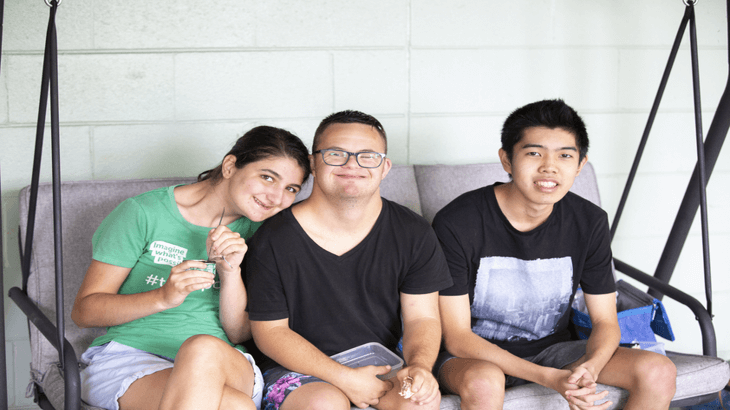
544, 164
350, 181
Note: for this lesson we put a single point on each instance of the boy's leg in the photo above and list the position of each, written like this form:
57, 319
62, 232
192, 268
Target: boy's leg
649, 377
480, 384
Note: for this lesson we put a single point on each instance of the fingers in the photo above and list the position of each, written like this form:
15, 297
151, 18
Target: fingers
222, 242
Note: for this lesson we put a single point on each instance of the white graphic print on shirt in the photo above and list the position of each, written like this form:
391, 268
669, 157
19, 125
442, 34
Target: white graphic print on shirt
516, 299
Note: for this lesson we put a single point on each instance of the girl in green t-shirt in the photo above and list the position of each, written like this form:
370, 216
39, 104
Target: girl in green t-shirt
172, 325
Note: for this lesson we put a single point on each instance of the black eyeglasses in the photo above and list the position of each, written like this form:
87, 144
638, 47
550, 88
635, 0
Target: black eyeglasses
338, 157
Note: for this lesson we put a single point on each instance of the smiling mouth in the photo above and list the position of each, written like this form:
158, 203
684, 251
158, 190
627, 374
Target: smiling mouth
546, 184
261, 204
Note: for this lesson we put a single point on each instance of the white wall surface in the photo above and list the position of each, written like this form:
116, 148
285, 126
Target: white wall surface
163, 88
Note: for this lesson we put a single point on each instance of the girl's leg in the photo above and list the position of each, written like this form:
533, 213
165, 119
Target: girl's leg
209, 374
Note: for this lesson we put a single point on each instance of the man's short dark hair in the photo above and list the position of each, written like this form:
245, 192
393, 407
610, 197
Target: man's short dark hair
546, 113
349, 117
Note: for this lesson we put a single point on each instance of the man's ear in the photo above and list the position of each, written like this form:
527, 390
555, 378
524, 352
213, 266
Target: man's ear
581, 165
311, 165
387, 165
228, 166
505, 160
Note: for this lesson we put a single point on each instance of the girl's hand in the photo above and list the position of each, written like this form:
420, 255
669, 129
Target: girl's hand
183, 280
227, 248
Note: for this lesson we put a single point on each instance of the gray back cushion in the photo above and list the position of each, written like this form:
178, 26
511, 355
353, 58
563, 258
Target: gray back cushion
440, 184
84, 205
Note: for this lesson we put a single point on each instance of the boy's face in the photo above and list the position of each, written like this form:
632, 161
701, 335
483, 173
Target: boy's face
544, 164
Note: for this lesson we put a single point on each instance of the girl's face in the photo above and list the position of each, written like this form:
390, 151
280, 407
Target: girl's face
261, 189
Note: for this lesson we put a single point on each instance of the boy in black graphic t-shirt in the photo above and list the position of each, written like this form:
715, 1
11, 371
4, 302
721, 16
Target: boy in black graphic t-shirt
517, 252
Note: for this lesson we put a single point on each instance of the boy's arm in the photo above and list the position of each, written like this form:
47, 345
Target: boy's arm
276, 340
421, 343
462, 342
605, 335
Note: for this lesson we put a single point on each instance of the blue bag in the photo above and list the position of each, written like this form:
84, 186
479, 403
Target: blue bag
640, 317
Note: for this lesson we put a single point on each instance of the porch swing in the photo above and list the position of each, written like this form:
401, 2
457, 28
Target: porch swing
56, 375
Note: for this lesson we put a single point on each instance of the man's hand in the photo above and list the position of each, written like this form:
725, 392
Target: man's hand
182, 281
424, 386
362, 386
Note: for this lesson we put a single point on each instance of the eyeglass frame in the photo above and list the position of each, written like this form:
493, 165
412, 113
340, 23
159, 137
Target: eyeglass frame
355, 154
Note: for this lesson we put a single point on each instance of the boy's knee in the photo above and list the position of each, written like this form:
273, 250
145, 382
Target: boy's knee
658, 373
482, 383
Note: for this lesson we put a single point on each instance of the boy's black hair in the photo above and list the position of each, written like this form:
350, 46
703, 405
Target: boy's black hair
546, 113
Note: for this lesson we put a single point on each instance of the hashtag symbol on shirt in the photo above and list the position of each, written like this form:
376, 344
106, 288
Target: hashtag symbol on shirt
152, 280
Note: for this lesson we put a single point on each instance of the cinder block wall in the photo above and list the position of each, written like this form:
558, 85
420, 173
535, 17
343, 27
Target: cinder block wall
152, 89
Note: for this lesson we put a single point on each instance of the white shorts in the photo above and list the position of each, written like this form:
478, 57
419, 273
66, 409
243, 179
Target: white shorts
113, 367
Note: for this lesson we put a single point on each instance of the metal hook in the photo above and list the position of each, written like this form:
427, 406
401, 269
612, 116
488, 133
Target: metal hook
690, 2
58, 2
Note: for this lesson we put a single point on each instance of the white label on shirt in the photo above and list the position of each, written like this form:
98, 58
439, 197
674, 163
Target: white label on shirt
167, 254
516, 299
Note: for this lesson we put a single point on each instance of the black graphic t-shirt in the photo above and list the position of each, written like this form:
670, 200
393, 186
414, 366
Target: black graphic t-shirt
521, 284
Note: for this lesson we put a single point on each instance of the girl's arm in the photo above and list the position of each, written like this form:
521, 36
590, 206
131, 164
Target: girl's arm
97, 303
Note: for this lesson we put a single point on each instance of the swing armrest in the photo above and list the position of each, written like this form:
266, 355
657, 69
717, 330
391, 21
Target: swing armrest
709, 340
72, 383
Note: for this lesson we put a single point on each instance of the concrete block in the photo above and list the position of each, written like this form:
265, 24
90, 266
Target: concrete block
139, 24
615, 138
3, 100
622, 22
610, 187
253, 85
396, 128
641, 70
463, 23
323, 23
477, 81
652, 205
455, 140
689, 272
371, 81
26, 23
168, 150
112, 87
19, 149
9, 372
643, 253
21, 351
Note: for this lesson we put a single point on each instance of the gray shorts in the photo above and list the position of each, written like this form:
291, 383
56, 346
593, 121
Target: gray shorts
557, 356
113, 367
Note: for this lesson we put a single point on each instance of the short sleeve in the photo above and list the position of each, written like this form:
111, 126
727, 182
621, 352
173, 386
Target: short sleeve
455, 257
429, 271
120, 239
597, 276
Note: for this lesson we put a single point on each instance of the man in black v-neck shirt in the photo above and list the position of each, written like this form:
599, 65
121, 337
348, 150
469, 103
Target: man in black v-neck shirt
343, 268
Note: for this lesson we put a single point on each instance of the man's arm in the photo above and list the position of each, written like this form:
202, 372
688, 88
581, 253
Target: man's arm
276, 340
421, 342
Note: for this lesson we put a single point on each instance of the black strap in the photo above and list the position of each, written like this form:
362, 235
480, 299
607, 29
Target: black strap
49, 82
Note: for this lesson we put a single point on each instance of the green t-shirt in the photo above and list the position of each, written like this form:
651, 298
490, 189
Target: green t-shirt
148, 234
